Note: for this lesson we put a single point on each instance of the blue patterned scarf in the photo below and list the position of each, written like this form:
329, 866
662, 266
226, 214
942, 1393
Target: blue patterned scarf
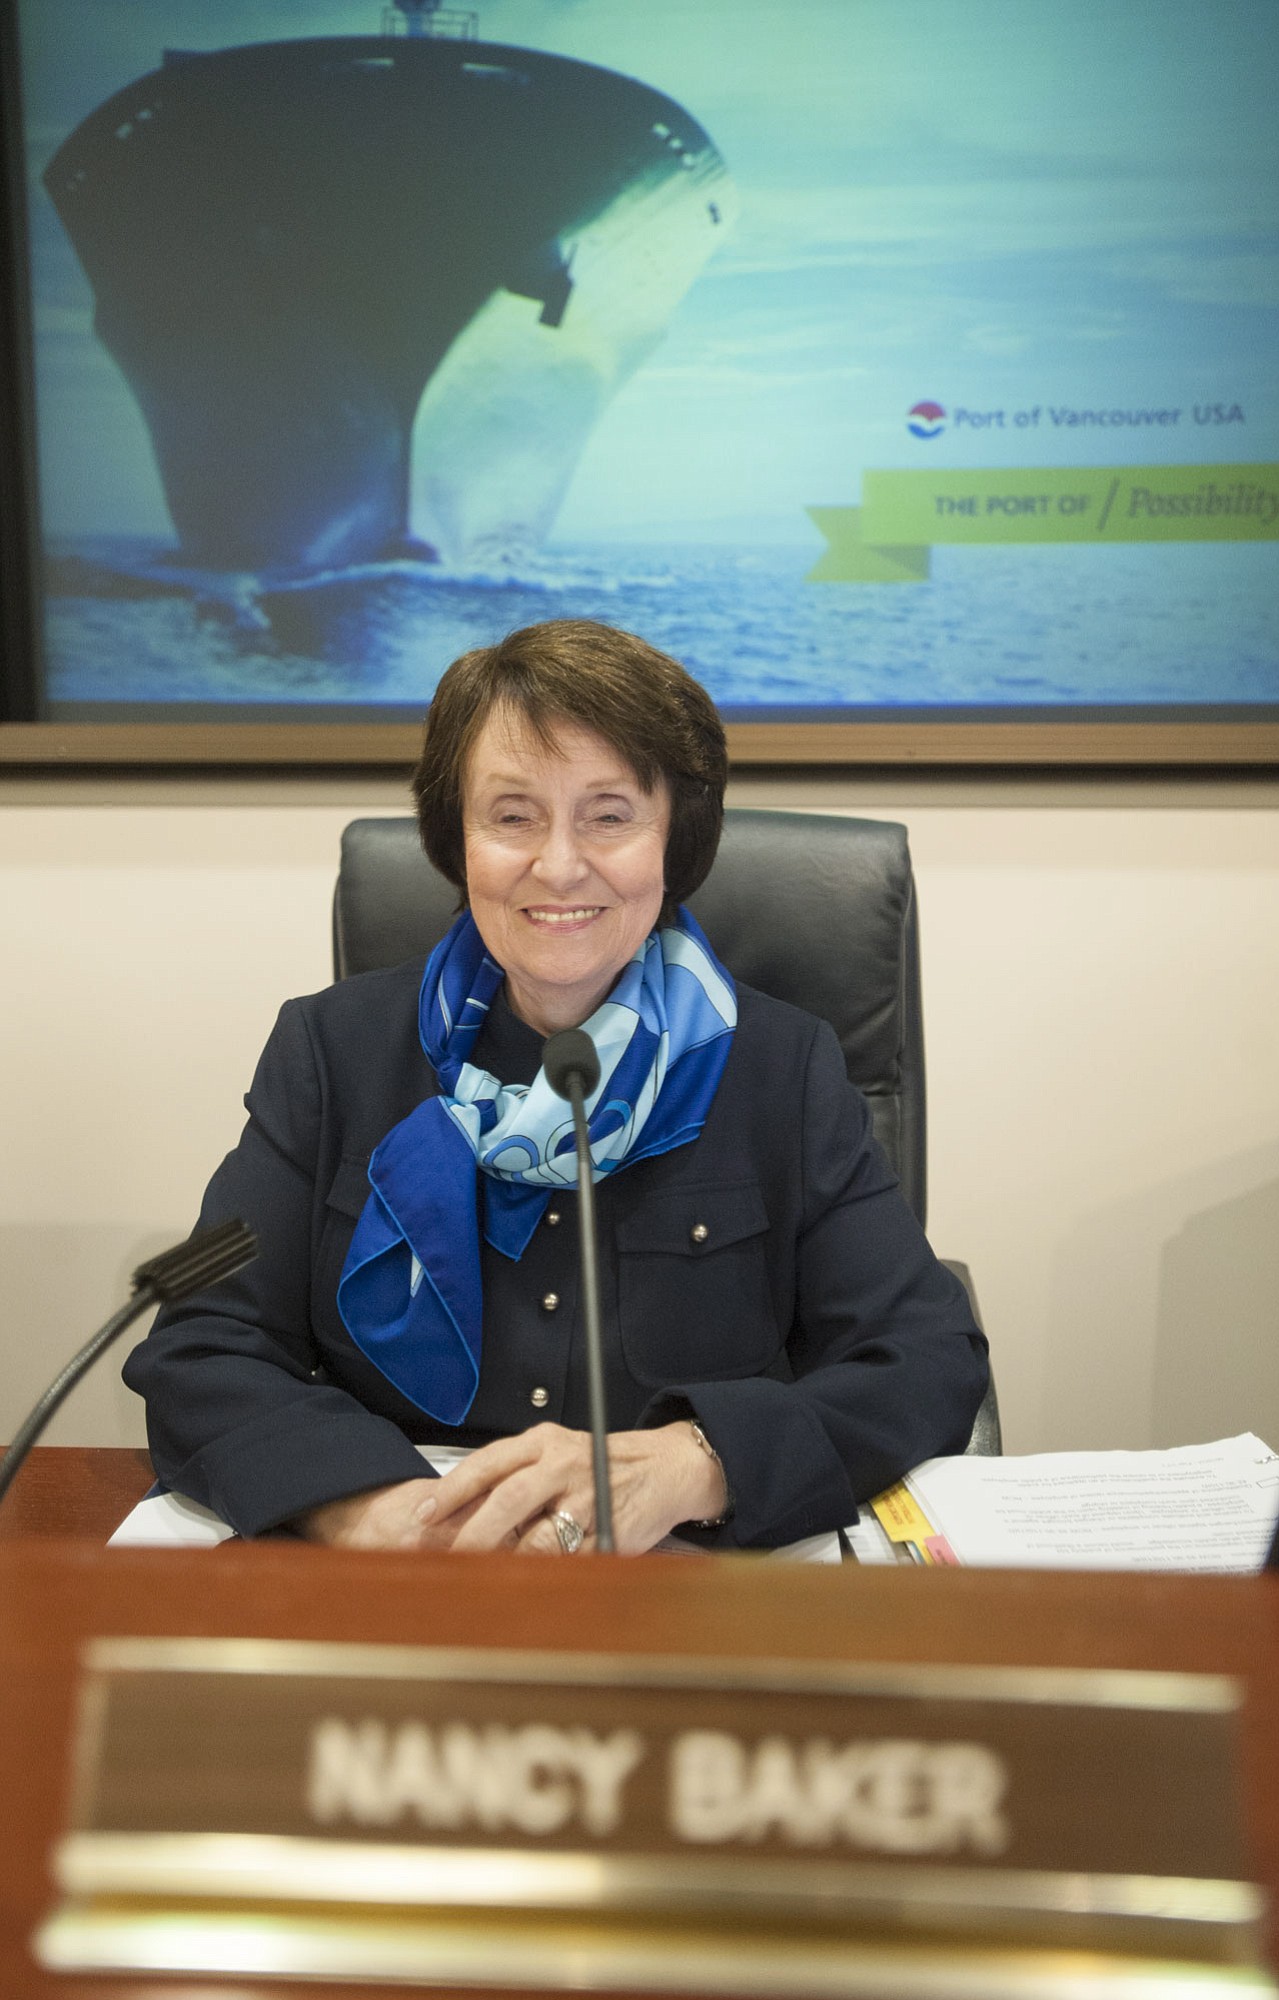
410, 1288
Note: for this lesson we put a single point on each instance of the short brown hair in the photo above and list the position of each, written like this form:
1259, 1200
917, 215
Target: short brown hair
642, 703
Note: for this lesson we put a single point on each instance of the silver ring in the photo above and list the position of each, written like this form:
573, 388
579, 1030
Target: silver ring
571, 1533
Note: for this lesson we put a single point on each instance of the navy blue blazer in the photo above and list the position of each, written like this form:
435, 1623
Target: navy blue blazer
769, 1278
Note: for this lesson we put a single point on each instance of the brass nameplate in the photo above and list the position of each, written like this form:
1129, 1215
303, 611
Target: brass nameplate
236, 1783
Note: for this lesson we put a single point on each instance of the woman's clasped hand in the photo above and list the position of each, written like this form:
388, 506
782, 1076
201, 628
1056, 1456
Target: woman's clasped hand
506, 1495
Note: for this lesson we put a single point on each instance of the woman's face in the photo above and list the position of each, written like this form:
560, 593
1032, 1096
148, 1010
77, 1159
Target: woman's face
565, 857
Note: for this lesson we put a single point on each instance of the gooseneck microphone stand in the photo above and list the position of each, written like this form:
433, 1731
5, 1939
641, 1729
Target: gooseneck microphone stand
203, 1260
572, 1068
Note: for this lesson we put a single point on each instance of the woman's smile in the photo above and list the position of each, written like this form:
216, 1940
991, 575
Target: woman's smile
563, 916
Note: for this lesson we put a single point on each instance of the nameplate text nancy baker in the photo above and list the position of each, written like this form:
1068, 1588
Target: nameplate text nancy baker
665, 1764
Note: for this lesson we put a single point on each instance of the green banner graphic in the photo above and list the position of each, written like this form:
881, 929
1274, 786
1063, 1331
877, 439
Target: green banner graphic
887, 539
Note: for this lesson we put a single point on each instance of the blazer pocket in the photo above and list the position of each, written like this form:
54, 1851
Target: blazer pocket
350, 1189
692, 1286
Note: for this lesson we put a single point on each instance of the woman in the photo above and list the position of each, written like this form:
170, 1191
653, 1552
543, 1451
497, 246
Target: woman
780, 1341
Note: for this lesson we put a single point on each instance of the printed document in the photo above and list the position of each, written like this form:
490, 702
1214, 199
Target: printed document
1195, 1507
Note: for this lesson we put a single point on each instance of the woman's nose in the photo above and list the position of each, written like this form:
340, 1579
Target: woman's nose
561, 860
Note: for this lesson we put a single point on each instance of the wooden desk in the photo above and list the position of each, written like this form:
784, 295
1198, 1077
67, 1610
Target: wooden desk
74, 1490
55, 1594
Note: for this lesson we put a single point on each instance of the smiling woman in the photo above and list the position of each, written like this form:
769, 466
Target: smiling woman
780, 1342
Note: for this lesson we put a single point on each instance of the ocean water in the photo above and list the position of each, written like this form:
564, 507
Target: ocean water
1005, 627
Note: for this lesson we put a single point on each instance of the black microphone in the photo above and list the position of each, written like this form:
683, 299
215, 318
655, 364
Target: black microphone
570, 1057
572, 1068
174, 1274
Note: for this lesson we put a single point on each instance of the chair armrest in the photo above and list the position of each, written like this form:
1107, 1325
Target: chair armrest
987, 1440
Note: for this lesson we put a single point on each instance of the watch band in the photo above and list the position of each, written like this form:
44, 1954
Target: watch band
700, 1438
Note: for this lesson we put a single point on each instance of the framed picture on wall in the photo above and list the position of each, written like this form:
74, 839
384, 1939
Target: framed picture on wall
910, 371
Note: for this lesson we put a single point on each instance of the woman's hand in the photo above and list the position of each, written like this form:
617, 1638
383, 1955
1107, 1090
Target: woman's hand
503, 1495
385, 1517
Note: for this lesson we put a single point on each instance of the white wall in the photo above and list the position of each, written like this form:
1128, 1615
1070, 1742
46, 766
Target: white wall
1101, 967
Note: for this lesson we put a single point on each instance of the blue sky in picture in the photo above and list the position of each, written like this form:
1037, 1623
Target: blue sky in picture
1000, 204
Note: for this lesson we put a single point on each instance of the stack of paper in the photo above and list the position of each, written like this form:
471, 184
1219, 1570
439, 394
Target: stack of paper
1195, 1507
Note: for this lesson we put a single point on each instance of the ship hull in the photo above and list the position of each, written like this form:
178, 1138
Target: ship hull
317, 261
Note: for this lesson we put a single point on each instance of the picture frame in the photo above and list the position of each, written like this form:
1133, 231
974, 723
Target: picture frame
928, 546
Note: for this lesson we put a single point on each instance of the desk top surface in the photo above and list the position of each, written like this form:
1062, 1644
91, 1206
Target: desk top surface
70, 1490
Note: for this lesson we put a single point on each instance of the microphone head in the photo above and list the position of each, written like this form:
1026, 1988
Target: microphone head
570, 1057
202, 1260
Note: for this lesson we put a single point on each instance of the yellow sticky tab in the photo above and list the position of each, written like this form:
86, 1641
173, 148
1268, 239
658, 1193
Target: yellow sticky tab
901, 1517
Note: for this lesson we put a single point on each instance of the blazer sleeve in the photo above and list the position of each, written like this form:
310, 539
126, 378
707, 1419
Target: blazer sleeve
889, 1366
239, 1416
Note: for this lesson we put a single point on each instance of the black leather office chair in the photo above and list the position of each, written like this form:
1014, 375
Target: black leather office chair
811, 908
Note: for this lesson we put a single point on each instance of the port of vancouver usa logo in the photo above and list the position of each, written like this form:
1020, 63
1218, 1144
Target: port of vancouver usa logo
926, 420
929, 420
888, 536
